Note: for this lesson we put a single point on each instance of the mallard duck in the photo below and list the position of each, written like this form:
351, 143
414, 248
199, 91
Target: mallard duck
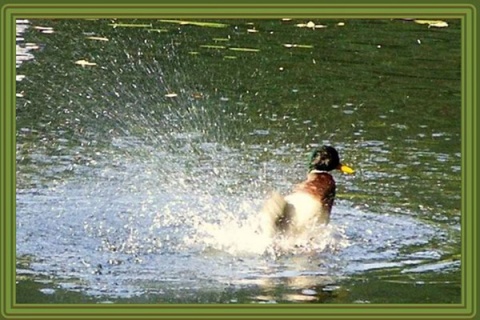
310, 202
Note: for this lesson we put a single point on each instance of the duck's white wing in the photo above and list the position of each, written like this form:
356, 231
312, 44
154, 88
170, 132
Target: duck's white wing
276, 214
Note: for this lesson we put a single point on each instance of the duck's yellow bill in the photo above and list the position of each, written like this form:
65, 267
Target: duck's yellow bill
345, 169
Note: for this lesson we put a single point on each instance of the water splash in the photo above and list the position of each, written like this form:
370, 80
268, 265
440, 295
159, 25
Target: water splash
240, 232
154, 218
154, 192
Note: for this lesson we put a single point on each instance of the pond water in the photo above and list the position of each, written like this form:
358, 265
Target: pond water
145, 149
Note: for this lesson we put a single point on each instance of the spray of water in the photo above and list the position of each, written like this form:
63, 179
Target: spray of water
183, 166
170, 187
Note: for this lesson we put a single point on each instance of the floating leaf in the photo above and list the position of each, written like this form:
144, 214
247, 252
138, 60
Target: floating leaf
197, 23
252, 30
171, 95
212, 46
290, 45
42, 28
244, 49
433, 23
306, 46
157, 30
230, 57
310, 25
84, 63
130, 25
98, 38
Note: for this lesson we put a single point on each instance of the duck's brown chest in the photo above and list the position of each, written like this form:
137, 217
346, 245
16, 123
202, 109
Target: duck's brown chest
321, 185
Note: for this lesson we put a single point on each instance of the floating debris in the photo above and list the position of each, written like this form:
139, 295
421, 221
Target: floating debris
197, 23
84, 63
244, 49
157, 30
193, 52
212, 46
252, 30
311, 25
433, 23
341, 24
221, 39
171, 95
292, 45
43, 28
230, 57
97, 38
130, 25
286, 19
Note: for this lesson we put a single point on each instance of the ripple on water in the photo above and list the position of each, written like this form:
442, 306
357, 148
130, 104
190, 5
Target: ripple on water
176, 234
155, 223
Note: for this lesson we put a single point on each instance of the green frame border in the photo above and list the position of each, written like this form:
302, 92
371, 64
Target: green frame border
23, 9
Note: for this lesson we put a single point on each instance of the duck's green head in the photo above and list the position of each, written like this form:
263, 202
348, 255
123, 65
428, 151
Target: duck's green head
326, 158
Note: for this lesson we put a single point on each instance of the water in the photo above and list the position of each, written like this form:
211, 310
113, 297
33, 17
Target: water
140, 178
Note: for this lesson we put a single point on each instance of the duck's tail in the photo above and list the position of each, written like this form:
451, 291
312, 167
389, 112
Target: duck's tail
275, 214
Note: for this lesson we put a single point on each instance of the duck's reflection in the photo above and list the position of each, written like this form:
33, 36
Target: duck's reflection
284, 288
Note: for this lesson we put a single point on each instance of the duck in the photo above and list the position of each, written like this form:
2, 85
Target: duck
310, 202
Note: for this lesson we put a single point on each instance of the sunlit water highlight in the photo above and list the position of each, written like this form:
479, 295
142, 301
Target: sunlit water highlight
168, 201
129, 229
